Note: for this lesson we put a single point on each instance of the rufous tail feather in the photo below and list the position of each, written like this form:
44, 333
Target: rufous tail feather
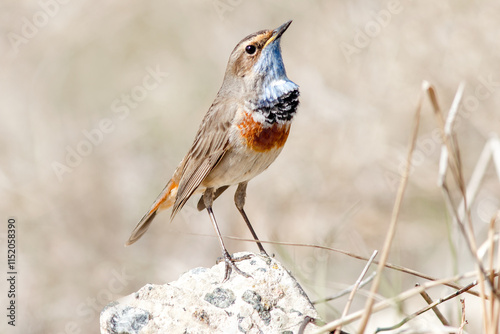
164, 201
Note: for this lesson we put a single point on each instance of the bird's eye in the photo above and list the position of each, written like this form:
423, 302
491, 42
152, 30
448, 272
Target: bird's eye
250, 49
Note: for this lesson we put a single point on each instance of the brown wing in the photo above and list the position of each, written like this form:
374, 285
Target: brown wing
210, 145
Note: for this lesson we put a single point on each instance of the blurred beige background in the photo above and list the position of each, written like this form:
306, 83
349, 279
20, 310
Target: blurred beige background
66, 72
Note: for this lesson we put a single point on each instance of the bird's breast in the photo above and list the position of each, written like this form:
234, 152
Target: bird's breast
260, 136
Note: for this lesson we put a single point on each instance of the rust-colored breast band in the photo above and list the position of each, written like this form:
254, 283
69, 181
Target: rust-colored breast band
262, 138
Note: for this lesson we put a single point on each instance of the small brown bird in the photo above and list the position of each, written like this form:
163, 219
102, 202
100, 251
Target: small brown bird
240, 136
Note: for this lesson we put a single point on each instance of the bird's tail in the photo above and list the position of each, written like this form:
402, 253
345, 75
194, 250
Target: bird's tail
164, 201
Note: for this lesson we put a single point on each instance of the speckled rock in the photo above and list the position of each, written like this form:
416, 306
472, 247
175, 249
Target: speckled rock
271, 301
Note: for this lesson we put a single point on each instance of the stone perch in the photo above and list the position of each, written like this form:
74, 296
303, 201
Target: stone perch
271, 301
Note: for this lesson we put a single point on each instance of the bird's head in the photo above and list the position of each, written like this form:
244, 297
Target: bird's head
255, 65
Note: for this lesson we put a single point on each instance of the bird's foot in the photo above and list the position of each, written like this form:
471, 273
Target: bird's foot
230, 264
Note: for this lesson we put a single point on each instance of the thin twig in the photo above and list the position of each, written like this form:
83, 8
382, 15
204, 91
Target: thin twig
397, 299
444, 127
452, 160
394, 218
358, 281
490, 316
454, 163
436, 311
478, 174
427, 308
495, 147
345, 291
356, 286
496, 308
464, 322
359, 257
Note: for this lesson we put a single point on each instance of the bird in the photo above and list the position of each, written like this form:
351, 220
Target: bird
242, 133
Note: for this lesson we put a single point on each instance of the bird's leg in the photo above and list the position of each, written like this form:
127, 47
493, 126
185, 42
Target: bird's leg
208, 197
239, 200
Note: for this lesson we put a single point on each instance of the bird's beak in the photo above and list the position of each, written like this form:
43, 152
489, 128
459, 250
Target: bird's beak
278, 32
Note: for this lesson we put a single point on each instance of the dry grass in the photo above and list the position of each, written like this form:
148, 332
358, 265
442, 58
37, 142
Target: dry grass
334, 184
486, 277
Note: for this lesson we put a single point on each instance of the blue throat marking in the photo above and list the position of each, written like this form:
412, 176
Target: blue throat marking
279, 98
